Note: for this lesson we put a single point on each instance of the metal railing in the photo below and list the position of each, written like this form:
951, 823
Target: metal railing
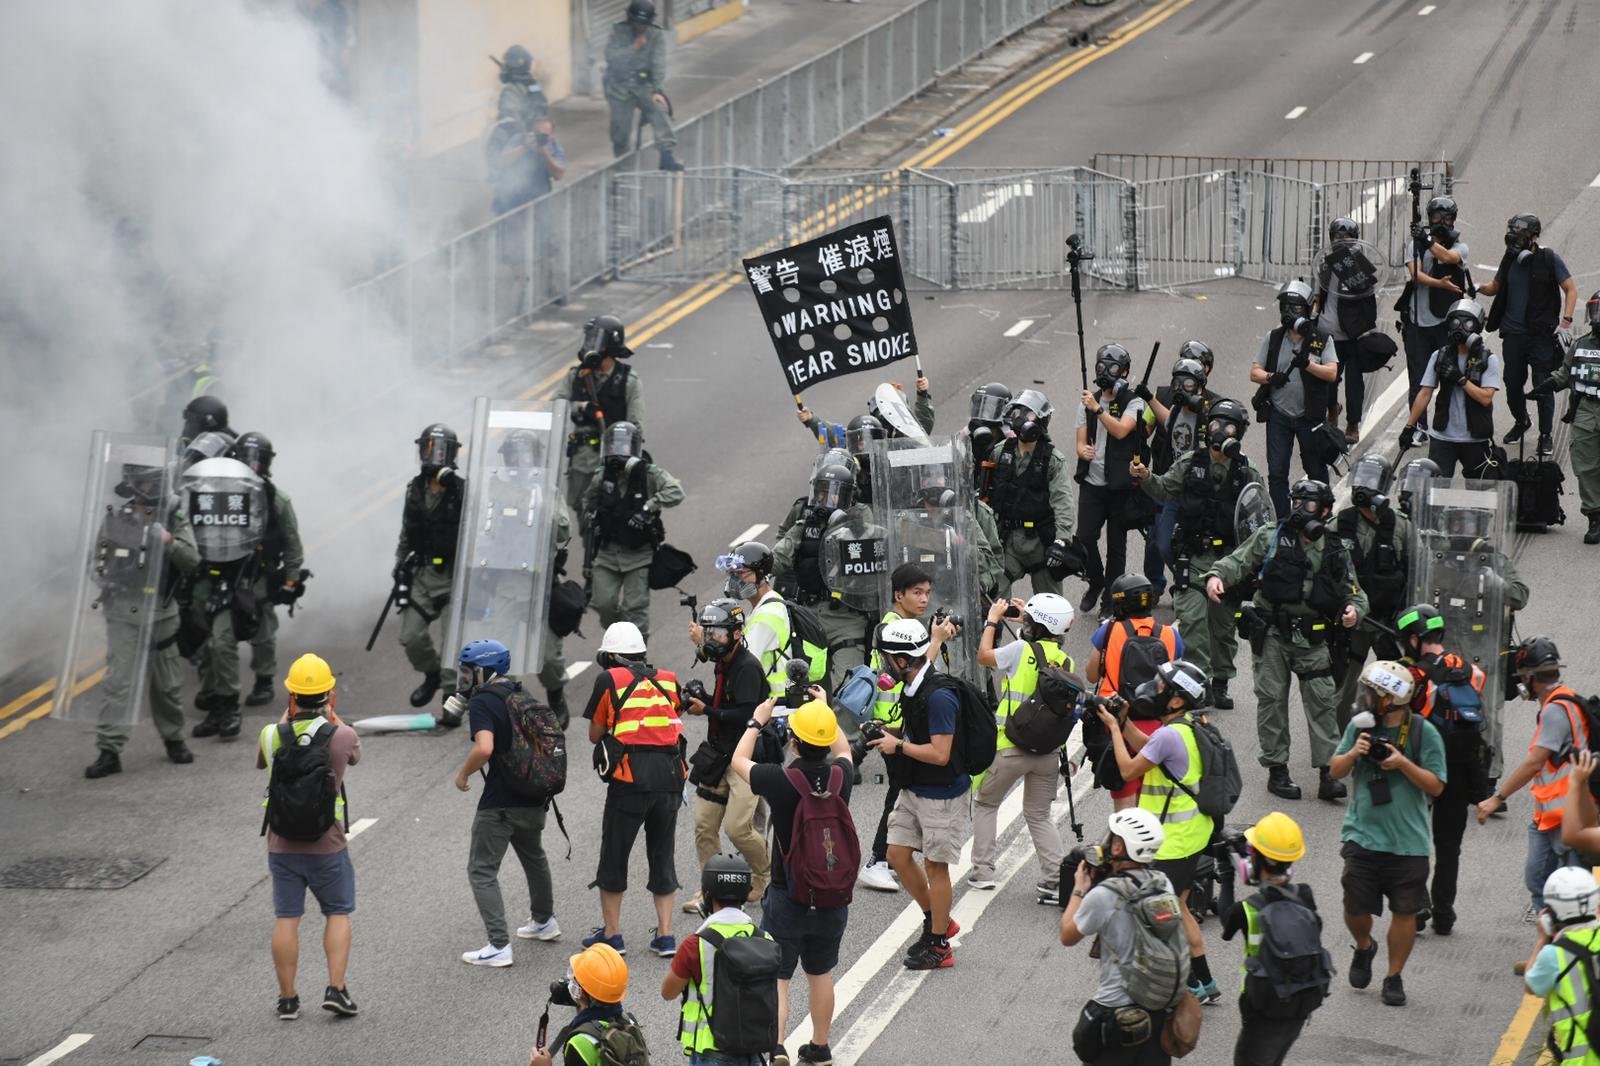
458, 296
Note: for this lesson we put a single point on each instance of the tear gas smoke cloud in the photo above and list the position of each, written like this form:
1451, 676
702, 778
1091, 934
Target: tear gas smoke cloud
178, 180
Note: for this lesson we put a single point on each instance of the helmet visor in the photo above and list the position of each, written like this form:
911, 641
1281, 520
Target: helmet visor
436, 450
519, 450
987, 407
831, 495
620, 441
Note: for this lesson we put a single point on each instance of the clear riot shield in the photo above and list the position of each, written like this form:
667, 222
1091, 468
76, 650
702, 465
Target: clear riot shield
1356, 268
508, 519
120, 585
227, 507
855, 564
1252, 511
922, 494
1461, 538
895, 413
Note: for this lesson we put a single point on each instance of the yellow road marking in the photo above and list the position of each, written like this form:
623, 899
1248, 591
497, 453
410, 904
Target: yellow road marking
1516, 1034
43, 688
44, 708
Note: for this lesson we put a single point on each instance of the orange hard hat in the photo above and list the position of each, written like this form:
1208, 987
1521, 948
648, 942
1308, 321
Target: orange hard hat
601, 973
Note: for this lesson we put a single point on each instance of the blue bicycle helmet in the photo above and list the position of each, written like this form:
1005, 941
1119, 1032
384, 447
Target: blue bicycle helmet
488, 655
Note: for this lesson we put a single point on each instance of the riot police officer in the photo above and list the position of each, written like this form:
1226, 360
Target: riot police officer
827, 457
424, 559
281, 572
521, 98
1580, 371
602, 392
623, 505
636, 65
986, 423
1307, 586
1204, 488
1379, 541
1031, 493
205, 414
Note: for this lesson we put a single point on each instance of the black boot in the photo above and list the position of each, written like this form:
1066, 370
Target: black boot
1327, 787
1593, 536
205, 701
207, 727
1091, 598
229, 719
1219, 695
105, 764
1515, 433
669, 161
262, 694
557, 698
1280, 784
425, 691
179, 752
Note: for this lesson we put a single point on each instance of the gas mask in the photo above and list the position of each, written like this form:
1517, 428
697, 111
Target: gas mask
1306, 517
1025, 425
1148, 700
737, 588
1520, 240
1223, 437
1370, 499
1292, 311
715, 642
1106, 376
1458, 329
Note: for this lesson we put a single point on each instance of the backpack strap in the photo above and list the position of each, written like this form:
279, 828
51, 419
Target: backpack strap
285, 735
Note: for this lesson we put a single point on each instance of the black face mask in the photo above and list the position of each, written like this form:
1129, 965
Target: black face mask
1027, 428
1457, 332
1518, 239
1307, 522
1220, 439
1290, 313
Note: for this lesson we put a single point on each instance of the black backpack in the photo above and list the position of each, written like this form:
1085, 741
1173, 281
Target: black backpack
1042, 723
302, 794
744, 991
972, 749
1289, 975
1141, 655
1220, 780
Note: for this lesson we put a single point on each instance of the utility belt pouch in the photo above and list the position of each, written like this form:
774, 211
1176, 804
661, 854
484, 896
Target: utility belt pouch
1181, 572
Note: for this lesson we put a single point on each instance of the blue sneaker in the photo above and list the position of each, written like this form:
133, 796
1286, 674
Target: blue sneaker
1206, 993
597, 935
664, 946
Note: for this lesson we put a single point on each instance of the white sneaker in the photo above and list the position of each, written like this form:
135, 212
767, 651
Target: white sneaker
488, 955
540, 930
982, 882
878, 876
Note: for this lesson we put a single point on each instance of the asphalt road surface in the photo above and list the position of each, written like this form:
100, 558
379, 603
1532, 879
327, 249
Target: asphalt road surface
176, 964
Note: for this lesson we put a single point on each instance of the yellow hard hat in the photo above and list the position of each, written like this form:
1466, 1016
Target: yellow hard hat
814, 723
601, 973
309, 675
1278, 837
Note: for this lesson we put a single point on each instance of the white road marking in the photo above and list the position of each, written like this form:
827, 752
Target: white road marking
361, 826
1485, 266
1296, 113
1595, 184
885, 950
1363, 57
1428, 10
1021, 327
577, 668
749, 534
994, 201
63, 1049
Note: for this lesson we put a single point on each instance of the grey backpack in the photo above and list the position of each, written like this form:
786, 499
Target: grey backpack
1155, 968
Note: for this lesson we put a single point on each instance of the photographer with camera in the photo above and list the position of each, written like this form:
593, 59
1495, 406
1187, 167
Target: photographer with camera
1128, 647
1466, 375
1168, 767
1398, 761
1562, 729
1045, 618
1287, 970
1563, 966
601, 1031
723, 800
1438, 280
1143, 954
807, 903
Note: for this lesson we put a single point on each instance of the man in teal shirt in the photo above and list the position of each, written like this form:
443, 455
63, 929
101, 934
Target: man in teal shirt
1398, 761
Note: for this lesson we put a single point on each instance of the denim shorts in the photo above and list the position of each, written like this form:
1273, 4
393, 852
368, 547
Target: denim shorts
331, 878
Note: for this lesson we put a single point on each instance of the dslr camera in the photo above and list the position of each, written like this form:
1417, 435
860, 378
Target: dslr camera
1378, 750
695, 689
1098, 856
871, 730
943, 615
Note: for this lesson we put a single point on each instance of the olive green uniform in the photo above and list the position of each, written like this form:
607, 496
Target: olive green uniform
1023, 551
264, 645
1210, 632
1362, 639
219, 657
621, 588
1584, 414
633, 74
553, 671
583, 443
165, 668
991, 553
1295, 643
430, 595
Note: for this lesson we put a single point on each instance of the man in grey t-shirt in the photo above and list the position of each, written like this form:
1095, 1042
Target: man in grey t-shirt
1461, 428
1437, 270
1112, 431
1299, 380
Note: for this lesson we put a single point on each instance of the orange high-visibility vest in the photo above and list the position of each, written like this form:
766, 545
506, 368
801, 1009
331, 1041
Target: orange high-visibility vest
1117, 636
648, 718
1550, 783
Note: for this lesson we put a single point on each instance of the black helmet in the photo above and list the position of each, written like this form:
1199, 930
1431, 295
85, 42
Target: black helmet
989, 402
1311, 489
255, 451
437, 445
1591, 311
1200, 351
1370, 478
1189, 375
1183, 679
1538, 655
751, 555
833, 488
1132, 596
520, 449
725, 879
641, 11
861, 432
603, 335
1413, 479
724, 618
1226, 420
203, 413
1343, 229
1442, 209
1522, 230
1419, 620
622, 440
516, 64
834, 457
1111, 362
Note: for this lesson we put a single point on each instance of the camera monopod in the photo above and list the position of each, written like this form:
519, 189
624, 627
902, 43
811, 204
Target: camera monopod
1075, 256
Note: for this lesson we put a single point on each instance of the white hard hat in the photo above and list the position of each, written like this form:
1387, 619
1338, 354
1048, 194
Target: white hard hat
1571, 894
622, 638
1389, 678
904, 636
1050, 610
1140, 831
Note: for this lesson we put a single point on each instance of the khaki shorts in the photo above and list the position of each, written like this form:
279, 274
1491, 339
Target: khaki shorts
935, 827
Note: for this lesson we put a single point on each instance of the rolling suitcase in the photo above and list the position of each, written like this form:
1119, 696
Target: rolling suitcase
1538, 482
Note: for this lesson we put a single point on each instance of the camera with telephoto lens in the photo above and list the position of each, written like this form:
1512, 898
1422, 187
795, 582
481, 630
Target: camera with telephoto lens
560, 994
1098, 856
797, 683
871, 730
1113, 703
943, 615
695, 689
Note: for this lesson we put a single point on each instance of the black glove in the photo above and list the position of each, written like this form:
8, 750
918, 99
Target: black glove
1301, 360
1056, 556
1279, 379
1143, 392
1547, 387
1445, 368
1422, 235
560, 566
642, 519
1445, 235
1408, 437
585, 413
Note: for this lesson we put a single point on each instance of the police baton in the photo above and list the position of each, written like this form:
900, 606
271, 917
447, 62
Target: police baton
1075, 256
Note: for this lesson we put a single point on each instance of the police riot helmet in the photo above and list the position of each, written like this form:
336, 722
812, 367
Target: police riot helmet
1189, 376
725, 879
861, 432
211, 444
255, 451
1294, 302
641, 12
204, 413
520, 449
989, 402
833, 488
1413, 479
1344, 229
1111, 364
1200, 352
1183, 679
1029, 415
1419, 620
1522, 231
1538, 655
604, 335
1441, 209
721, 624
621, 440
1468, 526
1226, 421
933, 489
1591, 311
1370, 478
1132, 596
834, 457
437, 445
516, 65
1464, 319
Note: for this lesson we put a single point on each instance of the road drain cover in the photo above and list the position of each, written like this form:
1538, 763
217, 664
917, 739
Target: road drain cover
62, 871
168, 1042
